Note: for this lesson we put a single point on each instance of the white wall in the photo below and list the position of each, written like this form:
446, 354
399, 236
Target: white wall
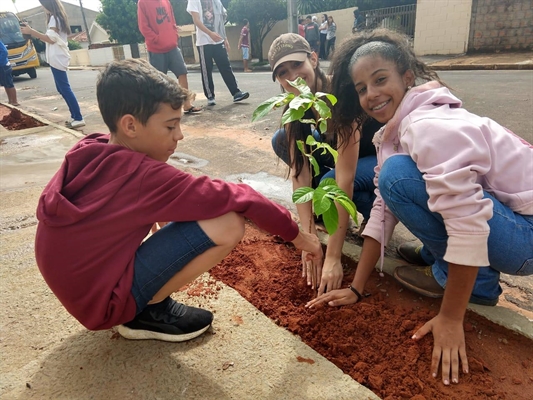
442, 27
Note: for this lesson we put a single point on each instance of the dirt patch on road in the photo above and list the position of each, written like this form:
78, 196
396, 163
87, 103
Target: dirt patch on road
14, 120
370, 341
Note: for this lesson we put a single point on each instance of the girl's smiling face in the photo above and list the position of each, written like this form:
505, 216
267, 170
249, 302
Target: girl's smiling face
290, 70
379, 86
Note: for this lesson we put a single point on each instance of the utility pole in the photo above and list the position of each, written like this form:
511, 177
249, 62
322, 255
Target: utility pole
88, 34
292, 16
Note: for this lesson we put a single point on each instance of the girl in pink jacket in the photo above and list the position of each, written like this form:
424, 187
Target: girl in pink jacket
461, 183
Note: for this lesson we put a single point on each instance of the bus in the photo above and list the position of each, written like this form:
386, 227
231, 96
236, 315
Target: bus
21, 52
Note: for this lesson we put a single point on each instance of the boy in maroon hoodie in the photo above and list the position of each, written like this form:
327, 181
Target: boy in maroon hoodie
97, 209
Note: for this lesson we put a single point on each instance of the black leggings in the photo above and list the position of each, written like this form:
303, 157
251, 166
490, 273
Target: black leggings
330, 46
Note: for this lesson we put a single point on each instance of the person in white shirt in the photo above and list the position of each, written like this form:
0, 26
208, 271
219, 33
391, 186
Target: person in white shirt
58, 56
209, 17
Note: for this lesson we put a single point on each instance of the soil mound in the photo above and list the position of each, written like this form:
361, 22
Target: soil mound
14, 120
370, 340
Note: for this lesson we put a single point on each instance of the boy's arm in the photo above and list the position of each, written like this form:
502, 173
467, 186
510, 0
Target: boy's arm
240, 41
144, 25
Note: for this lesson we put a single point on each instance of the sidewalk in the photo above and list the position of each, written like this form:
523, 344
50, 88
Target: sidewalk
493, 61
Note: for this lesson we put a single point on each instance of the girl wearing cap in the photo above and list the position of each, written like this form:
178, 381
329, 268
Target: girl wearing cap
291, 57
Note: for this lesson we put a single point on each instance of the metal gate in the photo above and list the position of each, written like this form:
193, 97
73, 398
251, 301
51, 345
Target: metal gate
401, 19
186, 45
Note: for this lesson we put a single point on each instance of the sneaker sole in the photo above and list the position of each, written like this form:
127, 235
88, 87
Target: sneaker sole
416, 289
139, 334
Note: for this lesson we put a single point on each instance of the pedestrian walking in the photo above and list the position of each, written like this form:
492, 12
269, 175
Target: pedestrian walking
58, 55
158, 26
312, 34
331, 37
209, 17
6, 76
244, 44
323, 35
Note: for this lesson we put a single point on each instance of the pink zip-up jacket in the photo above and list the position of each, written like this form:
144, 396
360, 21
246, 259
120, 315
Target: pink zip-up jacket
460, 155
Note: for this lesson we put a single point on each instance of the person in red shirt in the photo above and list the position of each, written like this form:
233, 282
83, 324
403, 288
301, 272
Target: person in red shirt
301, 27
244, 44
111, 188
158, 26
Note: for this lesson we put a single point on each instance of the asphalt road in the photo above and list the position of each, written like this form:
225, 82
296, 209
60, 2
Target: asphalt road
505, 96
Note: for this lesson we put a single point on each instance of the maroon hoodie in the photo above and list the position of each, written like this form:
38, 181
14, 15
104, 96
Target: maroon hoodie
100, 205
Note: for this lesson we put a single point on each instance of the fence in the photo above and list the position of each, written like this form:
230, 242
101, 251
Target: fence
401, 18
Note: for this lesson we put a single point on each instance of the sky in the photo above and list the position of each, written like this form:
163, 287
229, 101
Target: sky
22, 5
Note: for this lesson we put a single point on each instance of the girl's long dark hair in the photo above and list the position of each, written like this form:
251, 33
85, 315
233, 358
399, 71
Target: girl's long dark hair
298, 131
58, 11
348, 109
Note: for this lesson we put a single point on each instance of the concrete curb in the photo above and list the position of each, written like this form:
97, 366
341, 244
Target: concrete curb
481, 67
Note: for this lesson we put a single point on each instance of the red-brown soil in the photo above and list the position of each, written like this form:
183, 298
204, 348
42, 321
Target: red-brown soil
13, 120
370, 340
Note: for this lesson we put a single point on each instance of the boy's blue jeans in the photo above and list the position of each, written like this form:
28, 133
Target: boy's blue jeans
363, 186
63, 87
510, 242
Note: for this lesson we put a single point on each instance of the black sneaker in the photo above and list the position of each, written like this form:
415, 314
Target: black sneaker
240, 96
169, 321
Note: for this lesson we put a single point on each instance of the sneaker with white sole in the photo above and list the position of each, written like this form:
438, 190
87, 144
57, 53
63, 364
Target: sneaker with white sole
168, 321
239, 96
211, 102
76, 124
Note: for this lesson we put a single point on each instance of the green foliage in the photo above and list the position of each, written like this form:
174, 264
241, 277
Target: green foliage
262, 14
72, 45
364, 5
327, 193
181, 15
119, 18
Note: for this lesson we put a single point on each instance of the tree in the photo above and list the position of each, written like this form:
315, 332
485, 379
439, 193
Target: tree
119, 18
262, 14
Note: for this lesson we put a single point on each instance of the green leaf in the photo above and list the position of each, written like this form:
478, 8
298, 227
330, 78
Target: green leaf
302, 195
265, 107
332, 99
323, 126
327, 181
308, 121
300, 84
320, 201
334, 153
311, 141
314, 163
300, 145
299, 102
348, 205
291, 115
322, 108
331, 220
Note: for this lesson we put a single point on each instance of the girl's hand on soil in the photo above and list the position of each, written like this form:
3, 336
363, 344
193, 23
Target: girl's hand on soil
310, 244
331, 278
311, 270
449, 345
339, 297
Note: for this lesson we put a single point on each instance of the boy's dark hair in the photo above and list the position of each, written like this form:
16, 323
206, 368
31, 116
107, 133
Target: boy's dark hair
309, 17
348, 109
245, 21
300, 20
135, 87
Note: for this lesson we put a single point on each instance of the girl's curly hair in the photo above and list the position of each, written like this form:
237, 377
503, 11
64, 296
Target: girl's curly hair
348, 109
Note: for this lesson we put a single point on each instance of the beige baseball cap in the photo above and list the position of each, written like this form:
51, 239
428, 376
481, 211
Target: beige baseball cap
287, 47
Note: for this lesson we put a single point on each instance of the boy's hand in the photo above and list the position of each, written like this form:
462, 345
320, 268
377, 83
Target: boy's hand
332, 275
311, 270
309, 243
